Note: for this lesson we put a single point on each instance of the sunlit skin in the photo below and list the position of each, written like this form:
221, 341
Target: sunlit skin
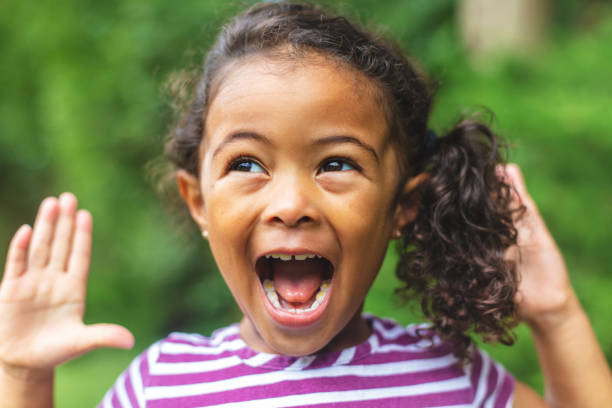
296, 184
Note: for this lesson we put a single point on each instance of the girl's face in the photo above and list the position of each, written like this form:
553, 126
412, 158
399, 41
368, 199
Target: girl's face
296, 192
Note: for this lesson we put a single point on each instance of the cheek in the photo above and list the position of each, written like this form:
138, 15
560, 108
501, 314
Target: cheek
363, 212
228, 208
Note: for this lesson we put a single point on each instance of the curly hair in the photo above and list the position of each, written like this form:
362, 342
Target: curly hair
452, 252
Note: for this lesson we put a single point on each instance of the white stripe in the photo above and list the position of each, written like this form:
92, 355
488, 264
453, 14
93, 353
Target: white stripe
432, 341
180, 348
481, 388
415, 347
193, 337
216, 338
106, 402
400, 367
301, 363
191, 367
388, 334
413, 329
351, 395
121, 392
137, 381
346, 356
493, 397
373, 341
152, 356
259, 359
219, 335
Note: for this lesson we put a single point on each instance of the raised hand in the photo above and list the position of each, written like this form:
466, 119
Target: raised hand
545, 292
561, 331
42, 294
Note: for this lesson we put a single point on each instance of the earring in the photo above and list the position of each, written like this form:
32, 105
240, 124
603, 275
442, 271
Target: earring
205, 234
397, 233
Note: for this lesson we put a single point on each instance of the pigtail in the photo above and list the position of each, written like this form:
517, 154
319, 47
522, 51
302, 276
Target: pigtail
452, 254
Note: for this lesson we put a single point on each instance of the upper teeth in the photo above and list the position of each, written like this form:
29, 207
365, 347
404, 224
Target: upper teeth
286, 257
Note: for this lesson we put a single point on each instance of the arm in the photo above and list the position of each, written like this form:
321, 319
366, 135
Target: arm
575, 370
42, 302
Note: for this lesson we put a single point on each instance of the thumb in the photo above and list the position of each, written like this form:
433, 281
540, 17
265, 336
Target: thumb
104, 335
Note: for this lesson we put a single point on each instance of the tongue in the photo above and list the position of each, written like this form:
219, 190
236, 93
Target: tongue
296, 281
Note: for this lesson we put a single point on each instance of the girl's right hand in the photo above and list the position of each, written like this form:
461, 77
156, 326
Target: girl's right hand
42, 294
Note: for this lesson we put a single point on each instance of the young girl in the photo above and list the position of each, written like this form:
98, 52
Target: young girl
304, 151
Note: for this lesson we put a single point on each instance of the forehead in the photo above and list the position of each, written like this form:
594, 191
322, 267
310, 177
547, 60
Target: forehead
266, 92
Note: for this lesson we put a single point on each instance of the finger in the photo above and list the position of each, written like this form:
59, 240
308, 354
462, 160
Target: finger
518, 183
81, 247
16, 259
43, 233
62, 238
530, 222
104, 335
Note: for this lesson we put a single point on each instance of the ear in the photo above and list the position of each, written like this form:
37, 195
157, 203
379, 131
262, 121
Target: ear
191, 192
405, 211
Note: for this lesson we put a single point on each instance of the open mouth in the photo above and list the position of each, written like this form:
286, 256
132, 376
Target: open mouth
295, 285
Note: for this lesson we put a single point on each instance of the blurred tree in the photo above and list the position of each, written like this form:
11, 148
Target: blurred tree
501, 26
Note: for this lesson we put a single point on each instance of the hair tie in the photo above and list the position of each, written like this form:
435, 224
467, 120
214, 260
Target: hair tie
431, 140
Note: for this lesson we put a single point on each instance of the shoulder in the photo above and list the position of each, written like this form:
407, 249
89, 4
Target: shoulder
419, 336
183, 354
486, 380
178, 348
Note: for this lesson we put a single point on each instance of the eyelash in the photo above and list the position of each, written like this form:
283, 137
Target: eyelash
242, 158
239, 159
344, 160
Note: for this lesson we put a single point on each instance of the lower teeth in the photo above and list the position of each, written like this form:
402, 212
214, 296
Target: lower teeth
268, 286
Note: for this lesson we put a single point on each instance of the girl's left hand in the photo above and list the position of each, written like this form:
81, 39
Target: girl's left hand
545, 295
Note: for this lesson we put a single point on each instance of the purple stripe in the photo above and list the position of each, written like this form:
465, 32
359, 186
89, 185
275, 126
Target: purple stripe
319, 384
491, 380
404, 339
196, 341
403, 356
129, 389
115, 401
243, 369
425, 400
476, 370
201, 377
143, 367
505, 392
324, 360
442, 347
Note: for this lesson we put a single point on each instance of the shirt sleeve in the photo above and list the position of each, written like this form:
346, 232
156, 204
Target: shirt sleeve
128, 390
493, 386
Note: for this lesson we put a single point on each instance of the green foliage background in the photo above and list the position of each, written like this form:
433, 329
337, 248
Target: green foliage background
81, 110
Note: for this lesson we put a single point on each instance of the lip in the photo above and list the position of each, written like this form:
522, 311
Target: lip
294, 320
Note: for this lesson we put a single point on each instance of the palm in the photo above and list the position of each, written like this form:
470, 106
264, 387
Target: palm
544, 284
42, 296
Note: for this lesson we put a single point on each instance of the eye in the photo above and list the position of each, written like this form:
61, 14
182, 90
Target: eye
337, 164
245, 164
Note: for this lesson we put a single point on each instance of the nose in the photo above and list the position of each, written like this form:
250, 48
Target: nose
291, 203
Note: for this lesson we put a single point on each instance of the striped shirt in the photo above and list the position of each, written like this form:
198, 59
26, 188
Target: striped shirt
396, 367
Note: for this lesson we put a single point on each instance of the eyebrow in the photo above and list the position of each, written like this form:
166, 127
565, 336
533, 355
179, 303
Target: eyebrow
234, 137
338, 139
347, 139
